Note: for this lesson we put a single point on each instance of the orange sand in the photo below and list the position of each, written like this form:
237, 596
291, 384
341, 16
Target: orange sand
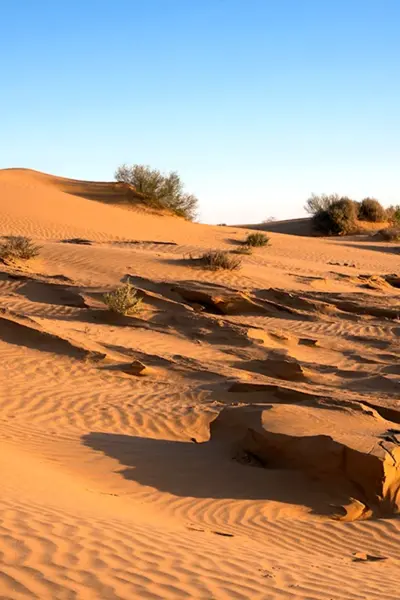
166, 486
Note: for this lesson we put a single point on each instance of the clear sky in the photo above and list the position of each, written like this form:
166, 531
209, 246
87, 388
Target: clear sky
256, 103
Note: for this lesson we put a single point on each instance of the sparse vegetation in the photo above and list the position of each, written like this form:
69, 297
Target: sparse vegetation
218, 259
371, 210
257, 240
334, 215
393, 214
340, 218
123, 300
16, 247
161, 191
316, 204
390, 234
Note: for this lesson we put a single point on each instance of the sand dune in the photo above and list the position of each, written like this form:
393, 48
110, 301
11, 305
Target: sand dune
255, 455
288, 226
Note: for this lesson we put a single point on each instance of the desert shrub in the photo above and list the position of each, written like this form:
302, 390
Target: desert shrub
371, 210
123, 300
257, 239
393, 214
390, 234
18, 247
218, 259
160, 190
338, 219
316, 203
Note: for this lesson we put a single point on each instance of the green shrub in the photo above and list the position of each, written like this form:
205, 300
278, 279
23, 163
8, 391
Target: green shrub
338, 219
257, 239
161, 191
218, 259
18, 247
316, 203
123, 300
371, 210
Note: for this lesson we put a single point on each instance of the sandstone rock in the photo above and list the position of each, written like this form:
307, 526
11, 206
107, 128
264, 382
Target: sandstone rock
136, 368
226, 303
313, 439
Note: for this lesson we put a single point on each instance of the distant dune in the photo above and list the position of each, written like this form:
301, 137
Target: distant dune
303, 227
47, 206
291, 226
110, 192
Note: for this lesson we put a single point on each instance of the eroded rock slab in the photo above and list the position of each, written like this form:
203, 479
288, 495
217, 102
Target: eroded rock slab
136, 368
227, 303
347, 450
231, 302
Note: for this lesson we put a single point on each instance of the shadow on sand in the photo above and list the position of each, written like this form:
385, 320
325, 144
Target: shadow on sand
206, 470
393, 249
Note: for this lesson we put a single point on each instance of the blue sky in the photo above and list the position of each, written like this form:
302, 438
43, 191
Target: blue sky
256, 103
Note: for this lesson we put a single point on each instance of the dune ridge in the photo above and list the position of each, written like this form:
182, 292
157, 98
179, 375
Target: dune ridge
255, 456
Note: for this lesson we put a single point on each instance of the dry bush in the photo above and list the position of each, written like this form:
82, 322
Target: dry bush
372, 210
339, 218
218, 259
316, 203
123, 300
18, 247
257, 240
390, 234
161, 191
393, 214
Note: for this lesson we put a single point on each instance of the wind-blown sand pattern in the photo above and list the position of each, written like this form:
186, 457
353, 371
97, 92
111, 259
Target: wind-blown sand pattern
256, 454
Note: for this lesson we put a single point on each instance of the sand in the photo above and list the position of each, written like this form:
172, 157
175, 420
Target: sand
254, 456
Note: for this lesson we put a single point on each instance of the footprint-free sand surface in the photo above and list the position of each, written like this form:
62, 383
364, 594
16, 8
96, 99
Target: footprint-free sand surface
237, 438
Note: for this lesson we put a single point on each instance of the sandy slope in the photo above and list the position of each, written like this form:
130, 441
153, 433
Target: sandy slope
289, 226
118, 486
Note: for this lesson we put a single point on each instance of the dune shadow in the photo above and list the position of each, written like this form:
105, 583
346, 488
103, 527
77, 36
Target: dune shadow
52, 293
107, 192
206, 470
192, 262
143, 243
235, 242
299, 227
190, 367
22, 332
78, 241
395, 249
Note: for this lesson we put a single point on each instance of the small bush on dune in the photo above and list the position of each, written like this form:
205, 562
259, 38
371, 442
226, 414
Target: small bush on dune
123, 300
257, 240
218, 259
161, 191
18, 247
371, 210
338, 219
